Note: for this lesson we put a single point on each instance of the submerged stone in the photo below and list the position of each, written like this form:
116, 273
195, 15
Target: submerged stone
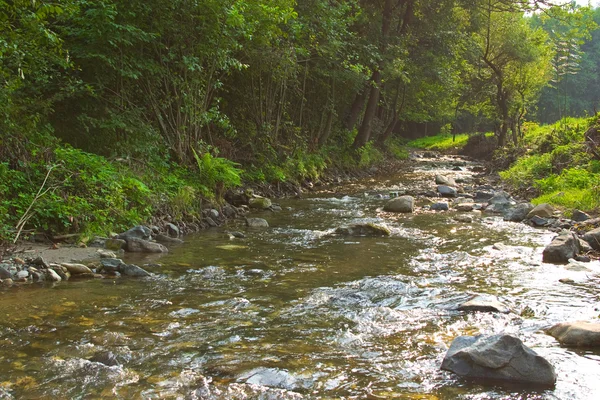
363, 230
402, 204
484, 303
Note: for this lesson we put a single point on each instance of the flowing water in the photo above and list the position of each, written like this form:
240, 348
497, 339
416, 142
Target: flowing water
294, 312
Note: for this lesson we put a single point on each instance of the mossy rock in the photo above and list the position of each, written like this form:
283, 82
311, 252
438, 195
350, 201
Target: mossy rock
369, 229
260, 203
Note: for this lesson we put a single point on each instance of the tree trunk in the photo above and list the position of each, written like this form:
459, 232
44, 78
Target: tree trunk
355, 110
364, 133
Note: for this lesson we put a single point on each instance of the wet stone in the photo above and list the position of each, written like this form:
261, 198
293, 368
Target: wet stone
484, 303
538, 221
111, 264
256, 223
580, 216
4, 274
133, 270
577, 334
447, 191
441, 206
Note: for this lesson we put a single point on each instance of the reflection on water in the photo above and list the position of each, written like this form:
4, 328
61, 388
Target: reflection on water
294, 312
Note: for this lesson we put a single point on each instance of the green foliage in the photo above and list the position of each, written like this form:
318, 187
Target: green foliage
528, 169
369, 155
217, 174
440, 142
572, 188
397, 148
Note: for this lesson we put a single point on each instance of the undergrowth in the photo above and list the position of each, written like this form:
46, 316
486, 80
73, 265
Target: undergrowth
557, 166
442, 142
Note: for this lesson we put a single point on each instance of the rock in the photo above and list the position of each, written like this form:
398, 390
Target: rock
210, 222
538, 221
578, 334
363, 230
257, 223
464, 207
483, 195
402, 204
172, 230
238, 235
498, 358
441, 206
584, 246
111, 264
133, 270
259, 203
136, 245
8, 282
106, 254
464, 218
106, 358
75, 269
39, 261
21, 275
229, 211
271, 377
276, 208
593, 238
580, 216
500, 198
543, 210
60, 271
484, 303
447, 191
164, 239
214, 214
561, 249
444, 180
519, 212
4, 274
52, 275
115, 244
137, 232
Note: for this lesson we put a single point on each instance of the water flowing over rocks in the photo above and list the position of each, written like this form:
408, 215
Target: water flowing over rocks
369, 229
498, 358
577, 334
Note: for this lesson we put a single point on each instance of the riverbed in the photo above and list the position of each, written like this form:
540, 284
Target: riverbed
293, 311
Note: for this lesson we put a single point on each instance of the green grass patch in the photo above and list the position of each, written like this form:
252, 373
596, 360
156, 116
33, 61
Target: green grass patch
440, 142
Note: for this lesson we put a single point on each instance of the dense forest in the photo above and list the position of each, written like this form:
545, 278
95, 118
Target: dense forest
114, 111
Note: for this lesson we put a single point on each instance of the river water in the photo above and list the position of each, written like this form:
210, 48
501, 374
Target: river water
294, 312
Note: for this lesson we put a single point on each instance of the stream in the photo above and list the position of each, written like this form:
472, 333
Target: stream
293, 312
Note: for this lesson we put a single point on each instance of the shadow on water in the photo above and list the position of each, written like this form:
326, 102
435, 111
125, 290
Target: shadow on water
295, 312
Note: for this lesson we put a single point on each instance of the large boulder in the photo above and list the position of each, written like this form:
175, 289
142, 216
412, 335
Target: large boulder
578, 334
593, 238
402, 204
484, 303
259, 203
363, 230
257, 223
137, 232
447, 191
445, 180
543, 210
498, 358
133, 270
561, 249
519, 212
136, 245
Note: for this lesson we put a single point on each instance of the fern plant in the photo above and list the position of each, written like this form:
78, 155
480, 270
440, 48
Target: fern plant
217, 174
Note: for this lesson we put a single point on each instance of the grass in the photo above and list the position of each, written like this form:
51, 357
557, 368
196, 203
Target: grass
557, 166
443, 142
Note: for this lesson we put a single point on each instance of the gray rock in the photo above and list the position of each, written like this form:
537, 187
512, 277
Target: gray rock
270, 377
8, 282
580, 216
402, 204
210, 222
106, 254
60, 271
4, 274
483, 195
238, 235
164, 239
577, 334
111, 264
444, 180
214, 214
519, 212
538, 221
133, 270
115, 244
464, 218
500, 198
465, 206
52, 275
75, 269
543, 210
259, 203
135, 245
561, 249
276, 208
137, 232
440, 206
363, 230
593, 238
498, 358
40, 262
584, 246
447, 191
22, 274
229, 211
484, 303
257, 223
172, 230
